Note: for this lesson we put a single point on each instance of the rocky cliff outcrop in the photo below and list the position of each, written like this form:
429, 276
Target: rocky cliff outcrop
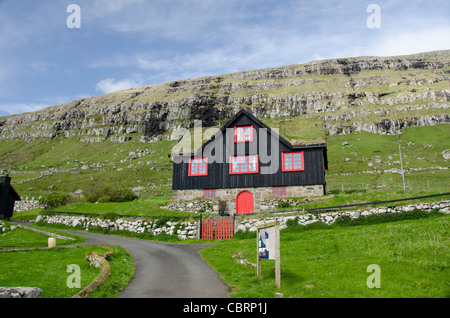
377, 94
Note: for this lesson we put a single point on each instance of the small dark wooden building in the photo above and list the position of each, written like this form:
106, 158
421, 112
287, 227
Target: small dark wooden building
8, 197
247, 162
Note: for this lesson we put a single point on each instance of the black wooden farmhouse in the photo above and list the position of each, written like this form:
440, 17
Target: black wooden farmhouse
8, 197
247, 162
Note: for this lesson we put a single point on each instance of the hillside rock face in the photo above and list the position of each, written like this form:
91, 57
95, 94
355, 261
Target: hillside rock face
376, 94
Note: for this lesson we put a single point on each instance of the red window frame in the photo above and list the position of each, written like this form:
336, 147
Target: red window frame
292, 161
244, 138
198, 161
242, 164
210, 193
278, 189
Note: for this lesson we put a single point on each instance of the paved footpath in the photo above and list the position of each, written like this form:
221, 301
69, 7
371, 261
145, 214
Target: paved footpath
165, 270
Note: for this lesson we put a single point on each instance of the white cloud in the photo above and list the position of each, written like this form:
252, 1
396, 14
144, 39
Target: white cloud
109, 85
140, 42
204, 38
409, 42
395, 43
19, 108
180, 19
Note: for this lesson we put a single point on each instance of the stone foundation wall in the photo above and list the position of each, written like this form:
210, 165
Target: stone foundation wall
260, 195
187, 195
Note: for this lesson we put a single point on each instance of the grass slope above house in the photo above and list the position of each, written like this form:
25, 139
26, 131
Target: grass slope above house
370, 162
66, 165
360, 164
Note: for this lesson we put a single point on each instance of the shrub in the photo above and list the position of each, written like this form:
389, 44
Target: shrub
163, 219
384, 217
294, 226
241, 235
106, 194
104, 199
110, 216
222, 207
282, 205
291, 222
54, 200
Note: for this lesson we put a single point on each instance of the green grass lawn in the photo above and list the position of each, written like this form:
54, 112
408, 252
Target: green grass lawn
316, 262
357, 197
47, 268
413, 257
41, 167
25, 238
137, 207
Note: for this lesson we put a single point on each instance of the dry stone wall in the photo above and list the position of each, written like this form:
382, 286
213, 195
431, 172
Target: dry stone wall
25, 205
330, 217
190, 230
183, 229
20, 292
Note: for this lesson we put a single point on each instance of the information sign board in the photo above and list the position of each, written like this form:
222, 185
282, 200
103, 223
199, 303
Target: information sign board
268, 247
266, 243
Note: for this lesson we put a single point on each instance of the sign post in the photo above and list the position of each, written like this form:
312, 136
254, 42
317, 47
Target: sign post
268, 247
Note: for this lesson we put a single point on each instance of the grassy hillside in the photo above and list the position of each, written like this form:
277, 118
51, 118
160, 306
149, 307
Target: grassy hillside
359, 161
68, 165
371, 162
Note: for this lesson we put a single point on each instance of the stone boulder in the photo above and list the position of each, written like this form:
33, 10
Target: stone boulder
20, 292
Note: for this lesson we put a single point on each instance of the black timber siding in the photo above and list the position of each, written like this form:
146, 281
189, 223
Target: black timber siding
218, 172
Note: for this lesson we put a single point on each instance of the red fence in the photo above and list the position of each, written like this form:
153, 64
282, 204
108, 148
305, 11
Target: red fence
218, 229
207, 229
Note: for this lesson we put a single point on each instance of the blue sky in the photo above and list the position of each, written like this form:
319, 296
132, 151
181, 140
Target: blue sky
130, 43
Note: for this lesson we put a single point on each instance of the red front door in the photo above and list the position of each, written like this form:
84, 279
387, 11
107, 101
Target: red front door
244, 202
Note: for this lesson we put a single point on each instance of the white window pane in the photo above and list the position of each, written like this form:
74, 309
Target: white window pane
252, 165
194, 167
202, 166
235, 164
287, 161
243, 164
247, 133
297, 161
240, 134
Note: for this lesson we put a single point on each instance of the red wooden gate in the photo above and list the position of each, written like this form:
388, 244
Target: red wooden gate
207, 229
218, 228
